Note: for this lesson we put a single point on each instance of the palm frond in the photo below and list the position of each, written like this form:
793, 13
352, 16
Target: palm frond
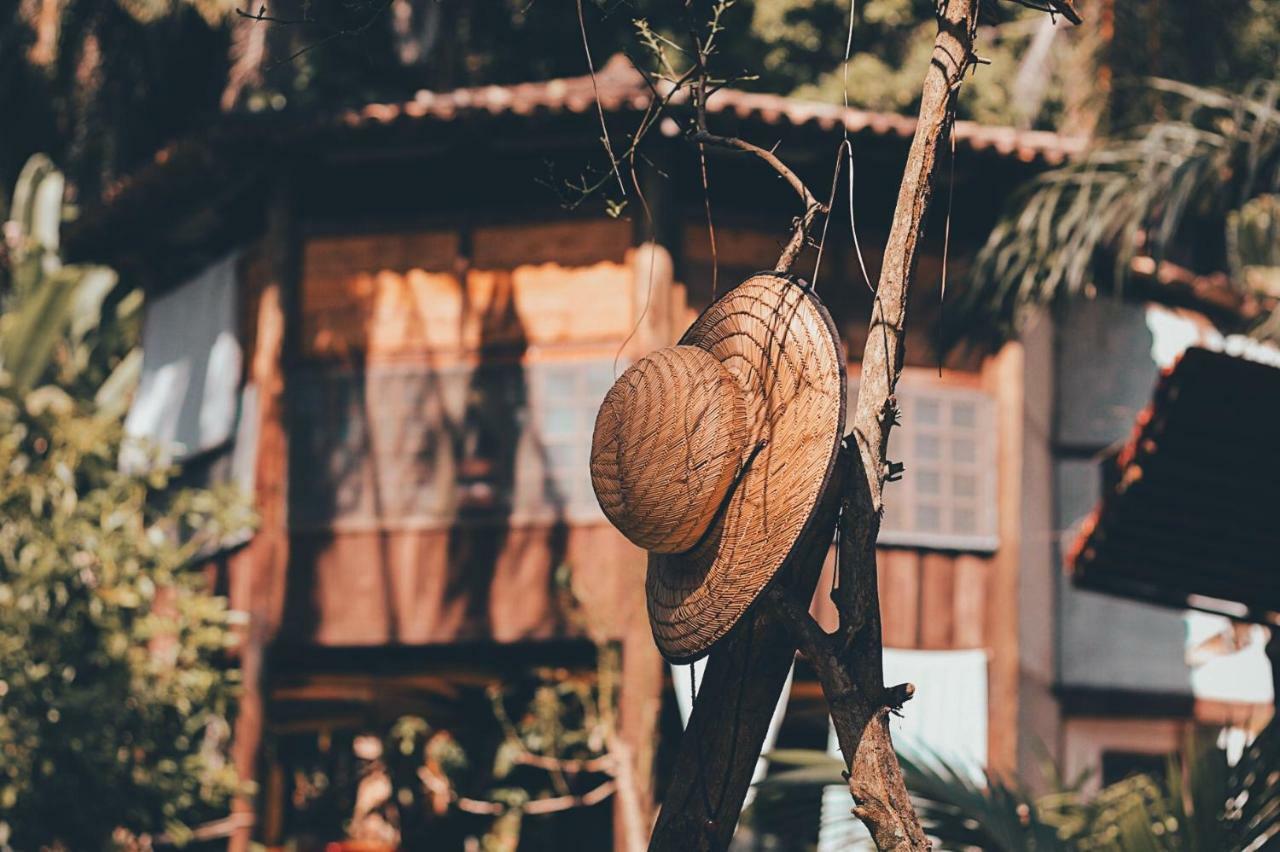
1080, 226
1204, 804
961, 806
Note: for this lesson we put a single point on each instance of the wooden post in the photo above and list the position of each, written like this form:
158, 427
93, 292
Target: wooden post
257, 573
740, 688
742, 681
1004, 376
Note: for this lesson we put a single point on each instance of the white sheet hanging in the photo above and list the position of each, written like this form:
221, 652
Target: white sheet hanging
188, 395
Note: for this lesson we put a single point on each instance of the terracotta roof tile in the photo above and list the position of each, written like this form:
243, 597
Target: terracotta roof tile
620, 87
1189, 507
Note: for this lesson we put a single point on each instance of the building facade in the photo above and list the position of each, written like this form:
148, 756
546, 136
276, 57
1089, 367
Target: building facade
418, 331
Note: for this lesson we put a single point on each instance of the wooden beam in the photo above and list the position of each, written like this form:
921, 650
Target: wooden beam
937, 601
1003, 376
740, 688
900, 597
257, 572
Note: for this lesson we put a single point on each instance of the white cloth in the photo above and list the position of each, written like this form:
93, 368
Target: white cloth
187, 397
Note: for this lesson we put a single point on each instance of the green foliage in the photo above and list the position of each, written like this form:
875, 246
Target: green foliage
892, 43
103, 84
114, 693
1166, 189
1253, 244
526, 740
1204, 803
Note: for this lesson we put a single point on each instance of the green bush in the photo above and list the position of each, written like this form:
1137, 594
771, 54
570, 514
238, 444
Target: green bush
114, 688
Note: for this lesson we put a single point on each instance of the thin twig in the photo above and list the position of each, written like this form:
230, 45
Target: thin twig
812, 207
333, 32
604, 128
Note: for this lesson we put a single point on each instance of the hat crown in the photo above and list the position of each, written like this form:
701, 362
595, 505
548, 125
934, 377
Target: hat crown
668, 442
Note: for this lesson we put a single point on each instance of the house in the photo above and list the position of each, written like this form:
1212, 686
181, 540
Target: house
419, 334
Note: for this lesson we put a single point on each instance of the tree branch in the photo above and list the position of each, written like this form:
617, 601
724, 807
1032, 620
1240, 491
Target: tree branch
852, 672
812, 207
770, 158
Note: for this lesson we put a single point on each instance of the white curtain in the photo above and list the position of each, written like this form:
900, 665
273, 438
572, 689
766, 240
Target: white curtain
188, 395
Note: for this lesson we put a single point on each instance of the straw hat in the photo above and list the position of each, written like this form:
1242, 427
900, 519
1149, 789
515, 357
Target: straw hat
713, 454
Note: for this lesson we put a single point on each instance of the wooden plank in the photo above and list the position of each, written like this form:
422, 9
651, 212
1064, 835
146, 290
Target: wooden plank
1003, 376
257, 573
970, 601
571, 243
483, 583
937, 596
737, 247
899, 578
436, 251
391, 295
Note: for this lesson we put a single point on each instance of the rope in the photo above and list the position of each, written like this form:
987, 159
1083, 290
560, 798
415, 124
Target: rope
946, 230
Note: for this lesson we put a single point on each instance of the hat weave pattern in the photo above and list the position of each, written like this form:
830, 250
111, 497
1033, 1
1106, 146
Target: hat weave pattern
668, 442
779, 343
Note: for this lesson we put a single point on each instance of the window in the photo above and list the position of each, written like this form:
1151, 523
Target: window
555, 468
408, 445
946, 498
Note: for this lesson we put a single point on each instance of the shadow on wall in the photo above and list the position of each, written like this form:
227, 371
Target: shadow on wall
486, 448
406, 476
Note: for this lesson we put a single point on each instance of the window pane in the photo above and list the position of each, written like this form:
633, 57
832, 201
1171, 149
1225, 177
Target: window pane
560, 382
928, 412
558, 421
893, 515
562, 458
927, 447
600, 378
948, 500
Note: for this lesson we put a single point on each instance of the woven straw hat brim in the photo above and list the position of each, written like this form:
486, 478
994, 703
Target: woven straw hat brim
779, 342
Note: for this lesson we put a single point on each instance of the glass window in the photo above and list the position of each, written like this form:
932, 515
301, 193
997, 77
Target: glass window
946, 498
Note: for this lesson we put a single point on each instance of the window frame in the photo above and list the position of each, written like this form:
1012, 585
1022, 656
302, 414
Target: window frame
912, 389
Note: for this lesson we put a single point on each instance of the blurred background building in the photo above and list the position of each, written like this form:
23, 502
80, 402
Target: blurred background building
369, 304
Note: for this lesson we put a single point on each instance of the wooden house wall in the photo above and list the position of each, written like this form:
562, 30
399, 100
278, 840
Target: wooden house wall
374, 571
424, 587
929, 600
422, 294
562, 292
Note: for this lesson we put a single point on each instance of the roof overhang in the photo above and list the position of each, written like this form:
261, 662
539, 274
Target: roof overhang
190, 181
1190, 514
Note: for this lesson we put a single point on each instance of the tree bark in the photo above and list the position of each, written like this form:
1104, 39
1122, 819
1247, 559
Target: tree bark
745, 675
850, 662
